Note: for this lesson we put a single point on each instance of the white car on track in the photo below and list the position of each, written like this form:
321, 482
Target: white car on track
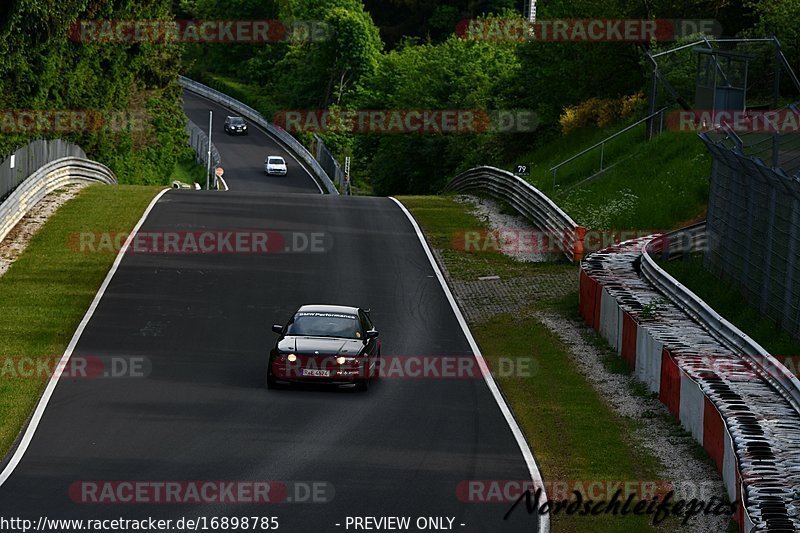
275, 165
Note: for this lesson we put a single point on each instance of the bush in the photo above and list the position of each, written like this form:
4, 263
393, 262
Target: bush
600, 112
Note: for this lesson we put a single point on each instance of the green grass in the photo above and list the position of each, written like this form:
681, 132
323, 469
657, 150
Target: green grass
253, 95
445, 220
47, 290
729, 302
573, 433
188, 171
658, 185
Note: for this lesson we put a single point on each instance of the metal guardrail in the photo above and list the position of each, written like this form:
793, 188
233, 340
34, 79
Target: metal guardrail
198, 140
330, 164
755, 444
29, 158
690, 240
290, 143
529, 201
52, 176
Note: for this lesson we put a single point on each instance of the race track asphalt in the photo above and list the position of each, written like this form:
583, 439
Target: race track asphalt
201, 324
243, 155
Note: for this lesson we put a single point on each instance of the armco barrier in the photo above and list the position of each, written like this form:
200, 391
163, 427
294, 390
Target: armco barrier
198, 140
282, 136
684, 242
528, 201
742, 418
52, 176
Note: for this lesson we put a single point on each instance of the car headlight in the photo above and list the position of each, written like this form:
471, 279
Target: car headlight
292, 358
341, 360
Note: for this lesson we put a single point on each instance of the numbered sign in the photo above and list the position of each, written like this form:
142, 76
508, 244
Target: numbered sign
522, 170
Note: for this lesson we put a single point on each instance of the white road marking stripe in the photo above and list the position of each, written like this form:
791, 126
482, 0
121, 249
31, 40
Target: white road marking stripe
51, 385
527, 454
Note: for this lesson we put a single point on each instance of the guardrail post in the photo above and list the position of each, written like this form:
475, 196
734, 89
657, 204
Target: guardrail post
602, 155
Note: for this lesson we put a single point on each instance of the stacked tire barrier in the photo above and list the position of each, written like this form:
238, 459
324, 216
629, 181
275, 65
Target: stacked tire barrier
527, 200
282, 136
742, 417
52, 176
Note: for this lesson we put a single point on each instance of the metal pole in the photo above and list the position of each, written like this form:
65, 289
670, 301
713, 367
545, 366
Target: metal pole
602, 155
776, 98
208, 166
347, 175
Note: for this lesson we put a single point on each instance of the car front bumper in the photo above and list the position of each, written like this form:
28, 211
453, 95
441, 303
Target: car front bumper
338, 375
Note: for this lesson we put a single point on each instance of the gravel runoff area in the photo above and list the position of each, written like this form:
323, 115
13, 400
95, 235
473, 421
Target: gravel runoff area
481, 299
18, 238
683, 462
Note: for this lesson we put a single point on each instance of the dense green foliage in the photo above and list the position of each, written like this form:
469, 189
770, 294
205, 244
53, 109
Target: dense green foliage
426, 65
429, 20
47, 290
132, 84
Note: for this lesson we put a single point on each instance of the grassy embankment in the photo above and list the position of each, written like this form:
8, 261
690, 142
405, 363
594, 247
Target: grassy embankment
47, 290
659, 184
729, 302
574, 434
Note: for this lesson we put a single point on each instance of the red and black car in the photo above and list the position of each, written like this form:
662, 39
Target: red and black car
330, 344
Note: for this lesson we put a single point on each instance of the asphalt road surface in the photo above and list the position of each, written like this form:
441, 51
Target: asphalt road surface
195, 408
243, 155
202, 323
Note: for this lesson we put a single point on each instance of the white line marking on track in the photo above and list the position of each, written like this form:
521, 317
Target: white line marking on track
51, 385
527, 454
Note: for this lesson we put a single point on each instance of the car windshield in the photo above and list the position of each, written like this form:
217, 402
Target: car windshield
237, 120
276, 161
318, 324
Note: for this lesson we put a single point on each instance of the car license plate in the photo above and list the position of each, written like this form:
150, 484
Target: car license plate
316, 373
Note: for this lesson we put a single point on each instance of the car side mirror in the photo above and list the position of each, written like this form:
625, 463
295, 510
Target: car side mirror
277, 328
372, 333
